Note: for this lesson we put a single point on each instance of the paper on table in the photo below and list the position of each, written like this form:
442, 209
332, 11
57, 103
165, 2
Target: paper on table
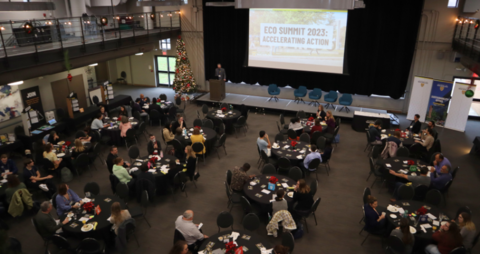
86, 200
266, 191
400, 210
83, 219
152, 170
423, 228
235, 235
388, 165
253, 183
285, 185
431, 216
426, 225
133, 170
109, 218
436, 223
405, 162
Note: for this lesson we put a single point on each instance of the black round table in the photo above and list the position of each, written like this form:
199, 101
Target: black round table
262, 184
407, 141
228, 119
307, 125
162, 182
412, 207
290, 153
218, 243
114, 131
210, 137
165, 106
401, 163
102, 230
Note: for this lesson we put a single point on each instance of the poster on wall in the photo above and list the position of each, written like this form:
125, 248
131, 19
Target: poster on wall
437, 108
10, 102
31, 97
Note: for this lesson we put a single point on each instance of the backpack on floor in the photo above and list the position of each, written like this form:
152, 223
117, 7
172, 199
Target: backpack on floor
67, 175
336, 139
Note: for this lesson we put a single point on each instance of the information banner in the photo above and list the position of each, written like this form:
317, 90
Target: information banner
459, 107
437, 108
31, 98
421, 89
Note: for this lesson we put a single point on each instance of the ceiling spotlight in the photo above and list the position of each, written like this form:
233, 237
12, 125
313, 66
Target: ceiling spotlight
141, 16
16, 83
139, 54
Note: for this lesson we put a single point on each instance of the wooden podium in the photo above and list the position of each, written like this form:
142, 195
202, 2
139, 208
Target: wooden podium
217, 89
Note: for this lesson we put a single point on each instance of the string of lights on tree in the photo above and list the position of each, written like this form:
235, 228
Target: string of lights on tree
184, 81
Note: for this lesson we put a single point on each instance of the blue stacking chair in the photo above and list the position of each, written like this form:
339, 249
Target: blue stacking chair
300, 93
345, 100
273, 90
315, 95
331, 97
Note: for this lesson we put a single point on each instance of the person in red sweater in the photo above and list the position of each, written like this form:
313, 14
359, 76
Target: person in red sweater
316, 127
447, 238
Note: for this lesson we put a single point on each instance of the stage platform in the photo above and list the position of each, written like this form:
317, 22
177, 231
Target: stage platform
262, 104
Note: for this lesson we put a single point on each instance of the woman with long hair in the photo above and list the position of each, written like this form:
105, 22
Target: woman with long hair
103, 112
53, 138
403, 233
302, 196
330, 120
374, 221
180, 247
467, 229
168, 135
123, 112
321, 112
51, 156
447, 238
79, 148
191, 160
118, 216
124, 127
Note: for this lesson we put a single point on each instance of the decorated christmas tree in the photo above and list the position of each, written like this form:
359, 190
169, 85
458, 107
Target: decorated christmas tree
184, 80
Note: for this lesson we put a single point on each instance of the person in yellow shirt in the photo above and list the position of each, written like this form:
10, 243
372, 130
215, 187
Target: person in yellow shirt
197, 137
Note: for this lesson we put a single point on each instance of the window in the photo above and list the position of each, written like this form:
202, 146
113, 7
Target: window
165, 69
165, 44
452, 3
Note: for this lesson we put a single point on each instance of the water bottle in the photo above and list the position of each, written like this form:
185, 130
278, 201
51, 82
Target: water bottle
231, 107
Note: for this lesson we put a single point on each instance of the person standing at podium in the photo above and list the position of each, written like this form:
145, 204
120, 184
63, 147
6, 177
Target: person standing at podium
220, 73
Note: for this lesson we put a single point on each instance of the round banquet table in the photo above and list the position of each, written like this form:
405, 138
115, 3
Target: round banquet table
165, 106
291, 154
263, 185
307, 126
420, 236
250, 244
228, 119
407, 141
162, 182
210, 137
114, 131
102, 230
401, 163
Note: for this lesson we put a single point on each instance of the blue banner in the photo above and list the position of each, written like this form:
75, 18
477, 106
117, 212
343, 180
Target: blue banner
439, 101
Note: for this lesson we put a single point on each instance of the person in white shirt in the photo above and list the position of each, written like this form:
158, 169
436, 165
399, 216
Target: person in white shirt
263, 143
193, 236
97, 123
295, 124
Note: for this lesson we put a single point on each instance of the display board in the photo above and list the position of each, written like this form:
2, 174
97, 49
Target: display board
437, 107
421, 89
31, 98
10, 102
459, 107
96, 92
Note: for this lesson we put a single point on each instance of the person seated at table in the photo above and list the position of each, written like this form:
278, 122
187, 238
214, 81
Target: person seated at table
280, 249
263, 143
280, 203
112, 156
448, 238
7, 164
33, 179
191, 160
374, 221
97, 123
198, 137
144, 174
45, 138
240, 177
143, 100
103, 112
375, 136
79, 149
428, 140
179, 136
154, 146
123, 112
321, 114
415, 125
302, 197
155, 106
118, 216
124, 126
467, 229
122, 174
330, 121
137, 107
431, 126
45, 223
311, 156
167, 133
395, 138
439, 180
174, 168
422, 179
295, 124
51, 156
66, 200
440, 161
193, 236
316, 127
53, 138
87, 131
327, 151
180, 247
403, 233
180, 123
13, 185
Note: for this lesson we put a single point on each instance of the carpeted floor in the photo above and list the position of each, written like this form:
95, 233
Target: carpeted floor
341, 192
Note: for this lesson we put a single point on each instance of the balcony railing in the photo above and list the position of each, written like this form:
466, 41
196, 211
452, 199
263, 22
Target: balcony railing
19, 37
466, 39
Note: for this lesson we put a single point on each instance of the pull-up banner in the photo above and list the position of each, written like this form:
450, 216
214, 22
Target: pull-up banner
438, 102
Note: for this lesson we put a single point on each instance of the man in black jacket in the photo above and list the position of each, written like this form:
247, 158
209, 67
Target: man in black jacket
153, 145
111, 156
374, 132
415, 125
44, 221
144, 174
